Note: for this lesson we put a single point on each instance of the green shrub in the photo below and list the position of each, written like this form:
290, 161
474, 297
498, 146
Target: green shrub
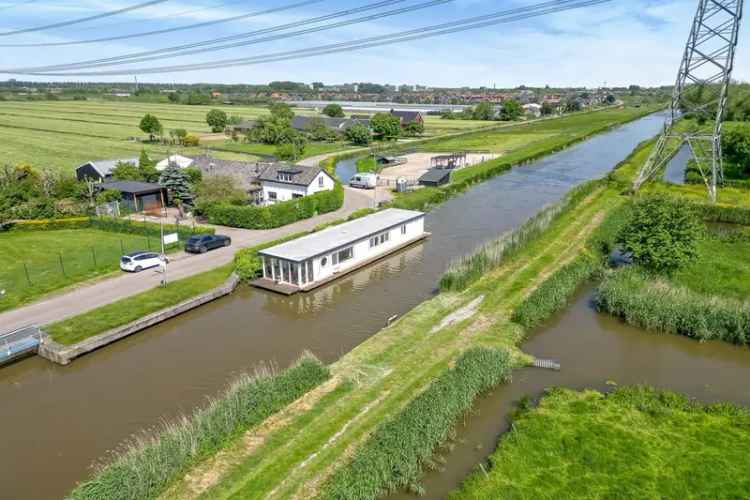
723, 213
276, 215
394, 455
553, 295
367, 164
655, 304
465, 270
111, 224
247, 263
149, 464
662, 233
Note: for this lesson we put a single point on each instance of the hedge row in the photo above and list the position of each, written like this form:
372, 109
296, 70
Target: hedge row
723, 213
150, 464
467, 269
393, 457
650, 303
552, 295
276, 215
111, 224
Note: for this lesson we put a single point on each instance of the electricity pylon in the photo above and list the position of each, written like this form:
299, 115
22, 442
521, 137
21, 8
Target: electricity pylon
701, 92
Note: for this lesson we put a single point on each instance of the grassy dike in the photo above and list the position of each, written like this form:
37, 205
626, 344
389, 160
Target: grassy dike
658, 445
395, 373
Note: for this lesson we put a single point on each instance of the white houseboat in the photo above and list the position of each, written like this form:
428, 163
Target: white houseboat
316, 259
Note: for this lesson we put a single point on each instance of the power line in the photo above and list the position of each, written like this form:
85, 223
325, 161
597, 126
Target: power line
84, 19
118, 61
214, 41
17, 4
166, 30
466, 24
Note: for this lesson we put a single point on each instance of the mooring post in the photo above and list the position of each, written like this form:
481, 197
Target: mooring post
26, 269
62, 266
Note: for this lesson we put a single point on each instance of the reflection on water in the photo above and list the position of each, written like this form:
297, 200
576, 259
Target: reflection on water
102, 398
595, 351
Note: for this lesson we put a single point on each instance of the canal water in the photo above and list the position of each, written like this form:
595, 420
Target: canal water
596, 351
56, 421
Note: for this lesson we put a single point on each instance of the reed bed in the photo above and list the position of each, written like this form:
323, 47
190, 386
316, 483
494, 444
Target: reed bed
467, 269
394, 456
552, 295
655, 304
150, 462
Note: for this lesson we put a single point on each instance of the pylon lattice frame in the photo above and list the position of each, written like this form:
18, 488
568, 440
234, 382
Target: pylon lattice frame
701, 91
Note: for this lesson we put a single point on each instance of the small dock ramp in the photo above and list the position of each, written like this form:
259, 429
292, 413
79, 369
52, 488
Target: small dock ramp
547, 364
19, 343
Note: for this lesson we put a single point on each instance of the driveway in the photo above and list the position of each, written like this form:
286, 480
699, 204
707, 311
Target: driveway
85, 297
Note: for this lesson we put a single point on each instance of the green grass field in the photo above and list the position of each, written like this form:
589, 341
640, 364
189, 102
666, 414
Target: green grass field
61, 135
635, 443
85, 253
722, 268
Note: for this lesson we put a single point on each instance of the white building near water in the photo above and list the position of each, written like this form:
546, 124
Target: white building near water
315, 259
283, 182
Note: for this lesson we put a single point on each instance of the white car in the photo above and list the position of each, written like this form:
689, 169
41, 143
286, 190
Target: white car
138, 261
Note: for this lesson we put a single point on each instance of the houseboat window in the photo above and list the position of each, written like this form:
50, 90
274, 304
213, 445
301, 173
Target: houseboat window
385, 237
285, 270
295, 273
320, 181
269, 267
379, 239
346, 254
323, 261
277, 269
303, 273
403, 229
296, 195
272, 195
334, 258
310, 271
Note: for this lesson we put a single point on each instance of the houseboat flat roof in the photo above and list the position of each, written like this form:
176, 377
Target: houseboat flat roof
341, 235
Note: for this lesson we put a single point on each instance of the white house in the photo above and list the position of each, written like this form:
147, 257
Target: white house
315, 259
179, 160
283, 182
533, 109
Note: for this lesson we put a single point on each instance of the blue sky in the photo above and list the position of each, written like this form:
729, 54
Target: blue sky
622, 42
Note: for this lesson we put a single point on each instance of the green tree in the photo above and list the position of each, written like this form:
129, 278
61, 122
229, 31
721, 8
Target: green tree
334, 111
147, 168
281, 111
386, 126
414, 129
178, 185
358, 134
547, 109
151, 126
108, 196
198, 99
291, 145
217, 120
126, 171
573, 106
735, 145
214, 189
610, 99
317, 130
662, 233
511, 110
483, 111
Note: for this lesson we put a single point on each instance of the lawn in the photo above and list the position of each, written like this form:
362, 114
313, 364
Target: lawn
633, 443
311, 148
119, 313
722, 267
85, 254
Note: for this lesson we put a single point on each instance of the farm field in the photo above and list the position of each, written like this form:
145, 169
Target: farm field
600, 446
63, 134
85, 254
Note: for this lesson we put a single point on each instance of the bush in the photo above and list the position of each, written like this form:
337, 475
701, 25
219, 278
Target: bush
654, 304
393, 457
191, 140
553, 295
333, 110
278, 214
217, 120
358, 134
662, 233
111, 224
149, 464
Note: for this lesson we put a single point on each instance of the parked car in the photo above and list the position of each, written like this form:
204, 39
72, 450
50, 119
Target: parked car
138, 261
364, 181
202, 243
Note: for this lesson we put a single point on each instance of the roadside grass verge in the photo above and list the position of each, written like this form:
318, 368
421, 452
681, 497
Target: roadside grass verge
591, 445
77, 328
393, 457
654, 303
150, 462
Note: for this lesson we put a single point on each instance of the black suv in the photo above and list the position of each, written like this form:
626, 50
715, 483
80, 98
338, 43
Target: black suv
202, 243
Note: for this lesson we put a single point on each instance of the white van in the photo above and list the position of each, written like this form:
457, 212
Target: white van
364, 181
